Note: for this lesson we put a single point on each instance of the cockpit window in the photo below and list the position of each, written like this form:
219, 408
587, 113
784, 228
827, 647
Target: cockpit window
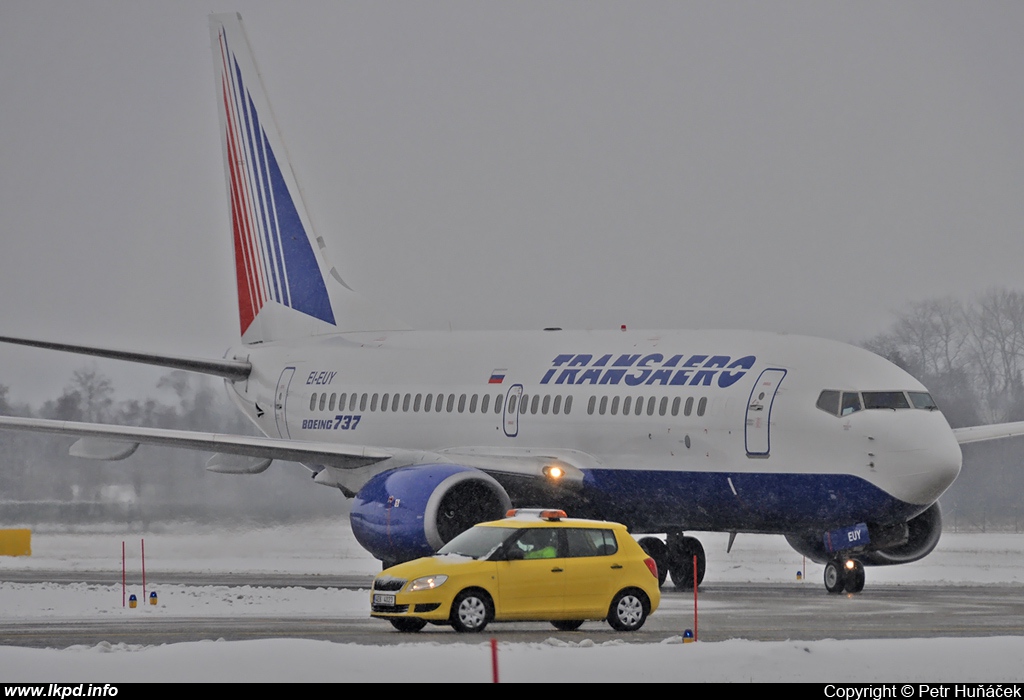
828, 401
843, 403
851, 403
922, 399
885, 399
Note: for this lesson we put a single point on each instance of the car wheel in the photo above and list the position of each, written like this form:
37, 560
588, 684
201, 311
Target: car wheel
407, 624
471, 611
628, 610
567, 625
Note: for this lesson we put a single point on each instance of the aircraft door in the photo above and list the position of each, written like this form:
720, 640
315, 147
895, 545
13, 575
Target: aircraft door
281, 399
759, 412
511, 419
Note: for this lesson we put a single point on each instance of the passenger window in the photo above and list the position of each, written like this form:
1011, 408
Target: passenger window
362, 401
545, 404
568, 404
341, 402
591, 405
416, 403
534, 404
851, 402
352, 402
428, 403
312, 402
497, 403
639, 405
627, 403
524, 403
603, 406
438, 402
405, 403
828, 401
675, 406
485, 402
663, 406
588, 542
451, 403
615, 405
384, 402
535, 543
330, 404
323, 401
702, 405
512, 403
462, 403
472, 403
373, 403
688, 409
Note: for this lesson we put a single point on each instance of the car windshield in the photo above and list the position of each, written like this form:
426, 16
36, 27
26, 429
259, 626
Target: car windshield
477, 542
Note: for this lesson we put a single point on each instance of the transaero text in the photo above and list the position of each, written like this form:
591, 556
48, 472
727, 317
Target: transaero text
654, 368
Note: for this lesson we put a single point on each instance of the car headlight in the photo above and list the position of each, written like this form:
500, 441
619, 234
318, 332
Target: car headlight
427, 583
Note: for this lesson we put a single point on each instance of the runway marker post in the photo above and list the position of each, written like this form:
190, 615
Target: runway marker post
695, 597
494, 660
124, 585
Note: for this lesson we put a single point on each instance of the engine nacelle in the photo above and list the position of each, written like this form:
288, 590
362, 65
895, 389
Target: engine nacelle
411, 512
901, 544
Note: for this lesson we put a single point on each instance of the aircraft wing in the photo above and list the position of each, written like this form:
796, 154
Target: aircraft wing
980, 433
95, 439
242, 454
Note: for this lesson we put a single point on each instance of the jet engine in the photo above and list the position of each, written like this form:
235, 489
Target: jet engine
411, 512
892, 544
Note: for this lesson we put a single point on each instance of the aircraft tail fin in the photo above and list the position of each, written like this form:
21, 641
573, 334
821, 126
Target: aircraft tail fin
287, 288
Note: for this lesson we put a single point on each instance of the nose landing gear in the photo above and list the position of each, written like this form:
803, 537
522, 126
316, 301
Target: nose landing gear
844, 574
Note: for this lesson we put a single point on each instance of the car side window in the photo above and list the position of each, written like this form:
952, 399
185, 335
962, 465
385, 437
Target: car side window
536, 543
590, 542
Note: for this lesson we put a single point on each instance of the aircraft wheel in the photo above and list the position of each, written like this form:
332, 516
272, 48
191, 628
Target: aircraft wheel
407, 624
835, 576
658, 551
567, 625
628, 610
680, 565
855, 578
471, 611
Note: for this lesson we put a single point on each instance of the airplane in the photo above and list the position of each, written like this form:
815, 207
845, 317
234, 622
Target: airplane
431, 432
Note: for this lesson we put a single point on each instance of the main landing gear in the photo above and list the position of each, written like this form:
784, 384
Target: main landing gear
676, 558
844, 574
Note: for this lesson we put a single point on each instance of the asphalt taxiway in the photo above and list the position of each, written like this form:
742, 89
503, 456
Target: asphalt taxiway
771, 612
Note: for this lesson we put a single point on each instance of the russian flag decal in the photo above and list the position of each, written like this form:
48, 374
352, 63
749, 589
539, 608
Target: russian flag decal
497, 377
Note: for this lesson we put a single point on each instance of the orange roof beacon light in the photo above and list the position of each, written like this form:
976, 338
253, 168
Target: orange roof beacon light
546, 514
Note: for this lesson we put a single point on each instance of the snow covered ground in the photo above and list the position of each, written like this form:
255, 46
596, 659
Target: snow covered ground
328, 547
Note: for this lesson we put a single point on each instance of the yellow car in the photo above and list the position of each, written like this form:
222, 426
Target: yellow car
533, 565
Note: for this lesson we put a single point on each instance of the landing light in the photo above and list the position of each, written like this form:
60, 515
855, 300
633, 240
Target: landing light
554, 472
850, 564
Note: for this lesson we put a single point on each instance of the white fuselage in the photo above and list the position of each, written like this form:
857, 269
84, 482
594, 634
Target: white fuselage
729, 416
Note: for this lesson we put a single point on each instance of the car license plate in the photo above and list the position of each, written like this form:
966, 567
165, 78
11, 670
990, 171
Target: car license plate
383, 599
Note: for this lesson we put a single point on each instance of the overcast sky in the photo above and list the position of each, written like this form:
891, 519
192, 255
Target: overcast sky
805, 167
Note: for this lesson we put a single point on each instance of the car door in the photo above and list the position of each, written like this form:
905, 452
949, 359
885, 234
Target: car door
594, 571
531, 578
